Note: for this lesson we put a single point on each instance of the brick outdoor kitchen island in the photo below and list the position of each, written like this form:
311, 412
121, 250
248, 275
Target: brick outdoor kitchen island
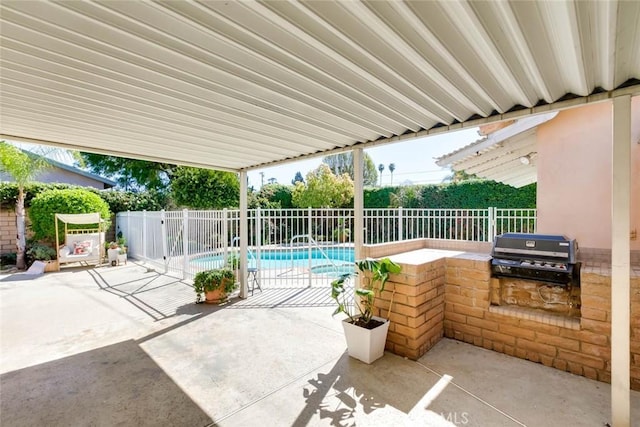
452, 294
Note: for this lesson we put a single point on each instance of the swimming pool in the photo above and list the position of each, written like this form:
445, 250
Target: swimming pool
329, 261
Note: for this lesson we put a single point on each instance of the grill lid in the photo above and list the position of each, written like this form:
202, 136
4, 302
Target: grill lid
548, 258
543, 247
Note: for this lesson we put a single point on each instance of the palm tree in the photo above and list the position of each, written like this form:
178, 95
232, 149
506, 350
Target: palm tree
23, 168
392, 167
380, 168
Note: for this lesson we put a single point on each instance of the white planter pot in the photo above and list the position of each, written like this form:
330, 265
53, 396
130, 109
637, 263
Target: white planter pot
112, 256
365, 344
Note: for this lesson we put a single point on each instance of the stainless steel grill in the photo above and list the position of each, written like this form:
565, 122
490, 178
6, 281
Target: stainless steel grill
548, 258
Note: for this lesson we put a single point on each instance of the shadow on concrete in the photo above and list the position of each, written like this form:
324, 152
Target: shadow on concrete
289, 298
19, 277
353, 387
113, 385
157, 295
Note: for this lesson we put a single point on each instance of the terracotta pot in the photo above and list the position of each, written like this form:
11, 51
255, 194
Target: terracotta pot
51, 266
215, 297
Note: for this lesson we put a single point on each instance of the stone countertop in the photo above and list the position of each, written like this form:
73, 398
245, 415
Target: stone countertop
422, 256
604, 268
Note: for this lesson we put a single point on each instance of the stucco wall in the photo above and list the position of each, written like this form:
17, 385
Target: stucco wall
574, 175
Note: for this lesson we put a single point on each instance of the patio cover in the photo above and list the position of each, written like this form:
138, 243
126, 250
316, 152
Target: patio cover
239, 85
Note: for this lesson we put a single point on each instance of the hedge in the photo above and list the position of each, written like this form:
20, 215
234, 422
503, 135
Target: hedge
463, 195
70, 201
118, 201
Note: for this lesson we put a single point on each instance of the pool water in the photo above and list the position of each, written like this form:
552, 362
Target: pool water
330, 261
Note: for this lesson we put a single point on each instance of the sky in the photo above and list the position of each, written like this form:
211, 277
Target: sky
414, 160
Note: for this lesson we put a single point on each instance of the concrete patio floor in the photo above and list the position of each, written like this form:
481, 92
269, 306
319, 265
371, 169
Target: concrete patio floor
127, 346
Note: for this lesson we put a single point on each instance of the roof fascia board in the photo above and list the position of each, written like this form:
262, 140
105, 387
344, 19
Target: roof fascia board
522, 125
633, 90
106, 152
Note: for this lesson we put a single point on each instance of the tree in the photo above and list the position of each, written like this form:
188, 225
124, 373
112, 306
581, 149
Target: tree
323, 189
205, 188
459, 176
274, 196
297, 178
392, 167
23, 168
380, 168
272, 181
343, 163
131, 174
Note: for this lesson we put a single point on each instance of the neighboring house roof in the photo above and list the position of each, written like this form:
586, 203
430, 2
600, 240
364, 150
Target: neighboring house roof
507, 155
73, 169
31, 150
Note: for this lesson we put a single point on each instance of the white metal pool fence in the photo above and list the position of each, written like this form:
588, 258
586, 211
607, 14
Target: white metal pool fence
298, 247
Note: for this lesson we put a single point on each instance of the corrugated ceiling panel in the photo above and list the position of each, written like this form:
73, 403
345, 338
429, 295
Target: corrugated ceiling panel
236, 85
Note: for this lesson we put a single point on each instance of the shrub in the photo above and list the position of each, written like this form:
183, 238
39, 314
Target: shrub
122, 201
40, 252
50, 202
205, 189
118, 201
275, 196
8, 259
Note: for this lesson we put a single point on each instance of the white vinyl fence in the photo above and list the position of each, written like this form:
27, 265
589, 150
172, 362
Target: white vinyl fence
298, 247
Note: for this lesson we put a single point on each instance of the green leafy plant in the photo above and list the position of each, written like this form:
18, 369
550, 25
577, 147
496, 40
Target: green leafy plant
8, 259
210, 280
122, 243
342, 232
233, 261
376, 274
73, 201
40, 252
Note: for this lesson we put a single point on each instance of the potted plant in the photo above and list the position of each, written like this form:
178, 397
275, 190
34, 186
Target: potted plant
365, 333
112, 253
122, 243
41, 252
215, 284
342, 232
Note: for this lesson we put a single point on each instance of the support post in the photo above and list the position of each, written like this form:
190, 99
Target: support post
163, 234
491, 224
258, 234
309, 240
620, 262
144, 235
400, 225
185, 243
244, 234
358, 202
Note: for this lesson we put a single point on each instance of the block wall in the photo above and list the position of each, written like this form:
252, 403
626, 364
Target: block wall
416, 297
8, 231
580, 346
